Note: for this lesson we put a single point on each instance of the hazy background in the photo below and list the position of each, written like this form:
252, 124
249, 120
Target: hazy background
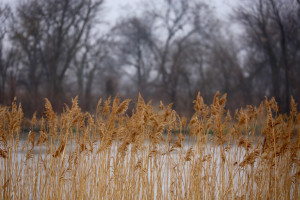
165, 49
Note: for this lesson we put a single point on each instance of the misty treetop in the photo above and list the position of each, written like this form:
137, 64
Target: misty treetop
168, 50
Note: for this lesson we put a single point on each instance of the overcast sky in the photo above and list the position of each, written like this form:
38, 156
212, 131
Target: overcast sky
115, 8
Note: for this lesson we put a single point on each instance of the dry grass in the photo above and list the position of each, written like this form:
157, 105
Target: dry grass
110, 155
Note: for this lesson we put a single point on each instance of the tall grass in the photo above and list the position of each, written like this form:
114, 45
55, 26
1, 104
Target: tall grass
152, 154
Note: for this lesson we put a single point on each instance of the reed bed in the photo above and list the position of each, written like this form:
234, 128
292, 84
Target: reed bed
151, 154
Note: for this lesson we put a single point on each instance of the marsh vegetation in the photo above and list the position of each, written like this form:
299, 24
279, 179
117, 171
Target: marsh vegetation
149, 154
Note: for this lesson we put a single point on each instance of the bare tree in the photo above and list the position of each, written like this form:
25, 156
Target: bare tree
134, 38
270, 30
50, 33
173, 19
89, 62
8, 54
176, 25
158, 43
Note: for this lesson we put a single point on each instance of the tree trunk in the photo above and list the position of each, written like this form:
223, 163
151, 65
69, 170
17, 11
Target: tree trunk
276, 83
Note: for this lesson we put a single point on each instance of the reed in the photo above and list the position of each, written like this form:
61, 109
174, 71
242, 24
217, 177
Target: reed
152, 154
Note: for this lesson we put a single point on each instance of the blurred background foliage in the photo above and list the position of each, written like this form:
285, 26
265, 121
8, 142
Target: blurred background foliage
167, 50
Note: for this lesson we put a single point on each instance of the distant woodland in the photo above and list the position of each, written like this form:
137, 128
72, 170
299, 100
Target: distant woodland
167, 50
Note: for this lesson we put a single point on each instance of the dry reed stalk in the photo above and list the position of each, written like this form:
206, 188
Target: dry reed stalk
224, 156
60, 148
31, 138
43, 138
3, 153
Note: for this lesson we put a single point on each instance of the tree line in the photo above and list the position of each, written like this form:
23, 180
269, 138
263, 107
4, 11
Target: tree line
168, 50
